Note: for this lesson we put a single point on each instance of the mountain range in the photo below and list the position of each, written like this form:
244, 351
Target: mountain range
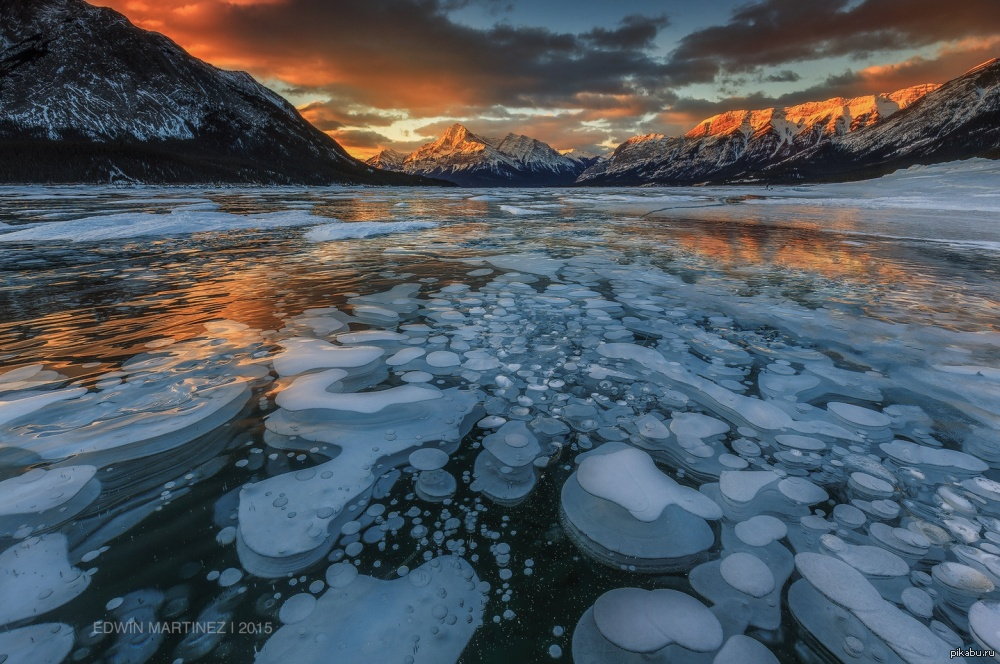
85, 96
825, 140
471, 160
829, 140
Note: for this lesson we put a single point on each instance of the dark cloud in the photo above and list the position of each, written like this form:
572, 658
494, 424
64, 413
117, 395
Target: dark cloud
775, 32
360, 139
783, 76
635, 31
336, 113
377, 61
409, 54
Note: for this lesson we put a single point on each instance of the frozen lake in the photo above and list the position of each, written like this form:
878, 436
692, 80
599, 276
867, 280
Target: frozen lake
707, 424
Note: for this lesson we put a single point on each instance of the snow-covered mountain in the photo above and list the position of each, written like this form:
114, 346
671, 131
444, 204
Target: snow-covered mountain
585, 158
85, 96
387, 160
958, 120
742, 143
471, 160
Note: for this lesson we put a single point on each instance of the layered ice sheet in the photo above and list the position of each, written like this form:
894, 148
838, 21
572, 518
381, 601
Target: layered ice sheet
182, 221
771, 460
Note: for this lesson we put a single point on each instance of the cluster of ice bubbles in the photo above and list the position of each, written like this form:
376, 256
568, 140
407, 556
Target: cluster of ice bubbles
701, 440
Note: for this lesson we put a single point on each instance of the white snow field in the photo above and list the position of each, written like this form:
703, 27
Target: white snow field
719, 425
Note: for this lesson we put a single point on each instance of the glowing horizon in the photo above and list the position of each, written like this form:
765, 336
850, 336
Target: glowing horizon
396, 73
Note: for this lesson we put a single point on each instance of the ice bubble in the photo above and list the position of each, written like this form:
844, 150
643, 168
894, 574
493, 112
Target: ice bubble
39, 490
428, 458
747, 573
12, 409
839, 582
36, 577
226, 536
405, 356
629, 478
951, 461
386, 621
844, 586
310, 392
435, 485
858, 416
743, 486
607, 530
304, 354
42, 643
918, 602
962, 579
984, 623
740, 649
872, 561
369, 427
416, 377
297, 608
230, 577
644, 621
168, 398
687, 426
340, 575
760, 530
442, 359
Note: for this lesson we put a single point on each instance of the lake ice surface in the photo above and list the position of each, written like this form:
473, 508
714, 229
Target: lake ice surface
712, 424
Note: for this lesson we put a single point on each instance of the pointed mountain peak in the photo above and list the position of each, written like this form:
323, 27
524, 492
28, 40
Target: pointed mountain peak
456, 134
387, 160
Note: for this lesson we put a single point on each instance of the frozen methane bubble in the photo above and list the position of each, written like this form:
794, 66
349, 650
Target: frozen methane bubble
43, 643
939, 462
39, 490
297, 608
984, 623
428, 458
433, 484
43, 498
740, 649
747, 573
962, 579
303, 354
857, 416
630, 624
747, 493
504, 470
753, 412
429, 615
165, 399
843, 586
918, 602
761, 530
405, 356
440, 359
288, 521
36, 577
620, 509
628, 477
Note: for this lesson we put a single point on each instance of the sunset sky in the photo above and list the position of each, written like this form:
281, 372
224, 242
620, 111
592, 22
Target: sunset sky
574, 73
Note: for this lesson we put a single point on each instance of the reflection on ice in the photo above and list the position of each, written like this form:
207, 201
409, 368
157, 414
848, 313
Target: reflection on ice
497, 420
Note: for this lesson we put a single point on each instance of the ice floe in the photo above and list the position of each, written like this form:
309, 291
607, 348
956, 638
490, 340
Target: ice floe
427, 616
